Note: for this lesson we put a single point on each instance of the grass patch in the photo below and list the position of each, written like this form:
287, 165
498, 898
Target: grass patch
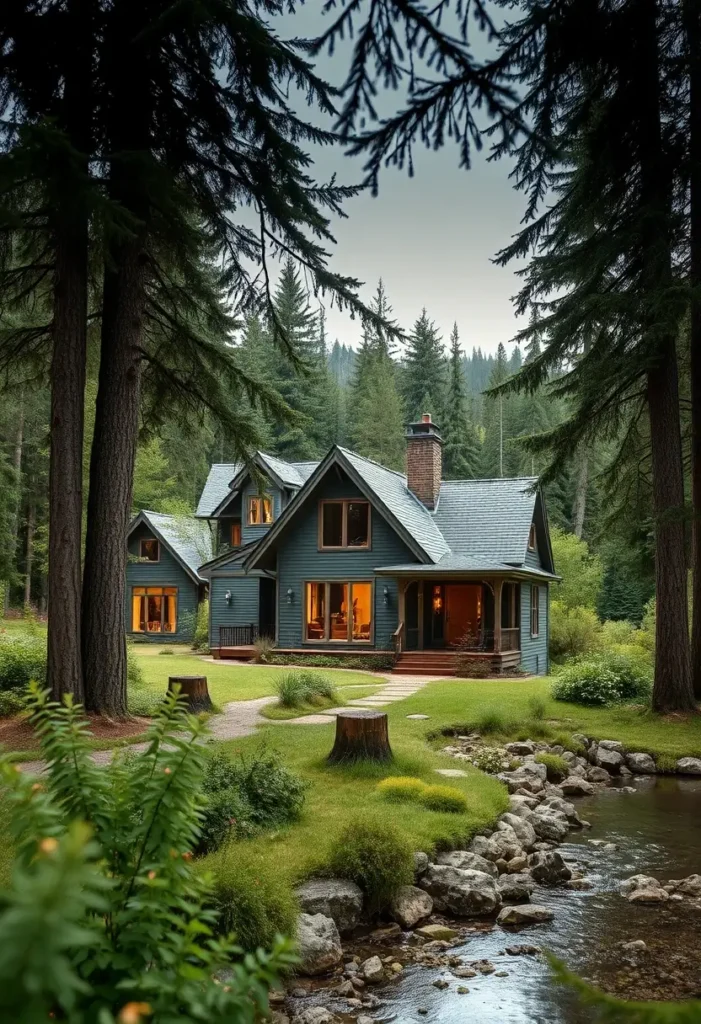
375, 855
399, 789
278, 713
556, 766
444, 798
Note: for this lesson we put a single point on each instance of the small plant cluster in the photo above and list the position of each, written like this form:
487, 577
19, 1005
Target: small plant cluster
370, 663
489, 760
376, 856
263, 647
245, 796
22, 660
405, 789
106, 918
602, 681
301, 686
556, 767
200, 636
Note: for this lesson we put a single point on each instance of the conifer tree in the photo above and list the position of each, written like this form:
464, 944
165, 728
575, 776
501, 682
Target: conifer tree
425, 371
461, 450
496, 422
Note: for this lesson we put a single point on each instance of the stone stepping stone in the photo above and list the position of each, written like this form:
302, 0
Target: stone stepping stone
307, 720
418, 718
337, 711
451, 773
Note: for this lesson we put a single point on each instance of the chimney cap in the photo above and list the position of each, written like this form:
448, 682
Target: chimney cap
425, 427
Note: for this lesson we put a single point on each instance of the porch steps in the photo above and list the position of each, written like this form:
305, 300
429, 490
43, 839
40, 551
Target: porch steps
425, 663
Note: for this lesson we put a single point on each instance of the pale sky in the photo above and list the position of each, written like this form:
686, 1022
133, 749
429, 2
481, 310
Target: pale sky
431, 237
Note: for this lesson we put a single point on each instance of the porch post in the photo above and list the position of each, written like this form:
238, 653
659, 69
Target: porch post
498, 585
401, 590
420, 602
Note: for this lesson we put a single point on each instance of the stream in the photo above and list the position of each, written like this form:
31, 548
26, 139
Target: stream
657, 831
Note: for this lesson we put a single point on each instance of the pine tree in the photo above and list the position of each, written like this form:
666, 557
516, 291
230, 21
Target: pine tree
425, 371
461, 450
496, 422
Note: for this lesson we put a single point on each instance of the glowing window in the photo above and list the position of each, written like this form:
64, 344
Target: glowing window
338, 612
154, 610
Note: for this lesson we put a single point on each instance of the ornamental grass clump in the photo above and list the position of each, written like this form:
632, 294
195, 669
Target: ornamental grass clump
301, 686
401, 789
376, 856
602, 681
444, 798
106, 910
556, 767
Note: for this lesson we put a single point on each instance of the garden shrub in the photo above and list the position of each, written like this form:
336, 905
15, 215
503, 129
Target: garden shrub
444, 798
602, 681
227, 815
489, 760
401, 789
469, 667
200, 636
369, 663
573, 631
556, 766
167, 650
301, 686
376, 856
253, 902
22, 660
11, 702
262, 649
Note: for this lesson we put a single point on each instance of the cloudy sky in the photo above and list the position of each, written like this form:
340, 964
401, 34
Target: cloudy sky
431, 237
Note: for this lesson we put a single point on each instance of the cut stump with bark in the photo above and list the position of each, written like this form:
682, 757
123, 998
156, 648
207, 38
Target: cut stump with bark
195, 689
361, 735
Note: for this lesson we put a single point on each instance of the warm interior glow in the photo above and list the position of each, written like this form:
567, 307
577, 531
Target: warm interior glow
154, 610
260, 511
331, 616
236, 535
437, 600
338, 611
361, 596
316, 611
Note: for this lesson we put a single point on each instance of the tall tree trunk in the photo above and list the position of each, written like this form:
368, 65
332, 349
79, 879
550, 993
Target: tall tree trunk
580, 495
672, 689
692, 12
29, 559
17, 466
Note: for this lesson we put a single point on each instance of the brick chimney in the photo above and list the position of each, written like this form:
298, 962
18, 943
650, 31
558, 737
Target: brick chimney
424, 461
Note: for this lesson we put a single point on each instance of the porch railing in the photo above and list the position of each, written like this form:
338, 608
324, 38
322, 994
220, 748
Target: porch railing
510, 638
398, 640
238, 636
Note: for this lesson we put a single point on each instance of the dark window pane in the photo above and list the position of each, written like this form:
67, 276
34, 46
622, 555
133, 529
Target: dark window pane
149, 550
358, 524
332, 525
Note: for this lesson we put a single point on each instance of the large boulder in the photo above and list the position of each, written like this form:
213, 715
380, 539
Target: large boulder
410, 905
525, 833
336, 898
516, 888
465, 860
530, 914
689, 766
555, 803
550, 825
611, 760
504, 844
641, 764
689, 886
614, 745
319, 944
522, 805
598, 774
464, 893
315, 1015
519, 781
548, 867
642, 884
574, 785
521, 748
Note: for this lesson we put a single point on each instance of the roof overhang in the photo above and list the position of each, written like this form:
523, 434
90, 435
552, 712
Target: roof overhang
436, 572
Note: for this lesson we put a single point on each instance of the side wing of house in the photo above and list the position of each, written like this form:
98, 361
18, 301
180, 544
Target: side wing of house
535, 596
161, 597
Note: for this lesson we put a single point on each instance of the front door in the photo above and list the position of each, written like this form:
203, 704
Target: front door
463, 612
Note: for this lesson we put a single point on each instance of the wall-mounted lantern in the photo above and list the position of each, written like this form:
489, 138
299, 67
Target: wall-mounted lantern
385, 595
228, 597
290, 595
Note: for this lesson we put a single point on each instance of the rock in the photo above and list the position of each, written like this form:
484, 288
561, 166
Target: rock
315, 1015
689, 886
277, 1017
523, 950
336, 898
625, 772
578, 770
464, 972
364, 1019
441, 983
649, 896
463, 893
346, 989
555, 803
612, 745
579, 884
418, 718
523, 915
525, 833
598, 774
451, 773
522, 805
387, 934
483, 966
517, 864
423, 1010
550, 825
410, 905
634, 946
627, 789
574, 785
517, 782
520, 748
548, 867
299, 993
372, 970
420, 863
465, 860
502, 974
436, 931
462, 990
689, 766
611, 760
319, 944
504, 843
643, 889
516, 888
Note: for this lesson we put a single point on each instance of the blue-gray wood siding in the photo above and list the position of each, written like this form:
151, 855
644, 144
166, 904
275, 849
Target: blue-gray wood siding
299, 560
534, 649
167, 572
243, 608
252, 533
533, 559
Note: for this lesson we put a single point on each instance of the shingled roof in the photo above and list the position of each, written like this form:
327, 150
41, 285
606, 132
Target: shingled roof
218, 484
189, 539
487, 518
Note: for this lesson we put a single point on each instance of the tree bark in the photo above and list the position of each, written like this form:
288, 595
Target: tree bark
195, 689
361, 736
692, 12
17, 466
29, 560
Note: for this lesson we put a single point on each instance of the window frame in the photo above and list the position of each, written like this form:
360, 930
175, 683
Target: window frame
327, 639
535, 610
235, 543
262, 498
344, 545
141, 591
532, 539
149, 540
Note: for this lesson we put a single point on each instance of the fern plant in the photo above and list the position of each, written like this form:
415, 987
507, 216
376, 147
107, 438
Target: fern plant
106, 919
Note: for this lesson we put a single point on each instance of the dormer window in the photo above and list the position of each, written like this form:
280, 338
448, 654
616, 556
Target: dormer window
531, 538
344, 524
260, 510
236, 535
149, 550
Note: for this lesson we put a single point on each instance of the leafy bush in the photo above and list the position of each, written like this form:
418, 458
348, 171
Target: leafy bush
489, 760
262, 648
617, 631
200, 636
367, 663
253, 902
302, 686
167, 650
444, 798
469, 667
107, 916
376, 856
556, 766
135, 675
573, 631
22, 660
601, 681
401, 789
227, 815
537, 708
582, 573
11, 702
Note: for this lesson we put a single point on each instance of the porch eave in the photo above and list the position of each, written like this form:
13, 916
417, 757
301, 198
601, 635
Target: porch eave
434, 572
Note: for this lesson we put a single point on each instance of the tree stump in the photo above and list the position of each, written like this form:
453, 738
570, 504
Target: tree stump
361, 736
196, 691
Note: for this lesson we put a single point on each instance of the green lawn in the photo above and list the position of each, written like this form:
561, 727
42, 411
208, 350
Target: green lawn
278, 713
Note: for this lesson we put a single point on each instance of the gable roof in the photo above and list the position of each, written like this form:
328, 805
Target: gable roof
217, 487
225, 477
188, 539
487, 519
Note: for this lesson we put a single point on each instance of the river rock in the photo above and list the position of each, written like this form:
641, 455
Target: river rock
523, 915
436, 932
420, 863
410, 905
643, 889
550, 825
336, 898
578, 770
463, 893
598, 774
689, 886
319, 944
522, 805
465, 860
612, 745
315, 1015
517, 864
525, 833
611, 760
649, 896
689, 766
579, 884
372, 971
641, 764
548, 867
521, 747
581, 739
563, 807
516, 888
574, 785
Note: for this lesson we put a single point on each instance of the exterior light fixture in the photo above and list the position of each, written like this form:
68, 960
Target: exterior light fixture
385, 595
290, 595
228, 597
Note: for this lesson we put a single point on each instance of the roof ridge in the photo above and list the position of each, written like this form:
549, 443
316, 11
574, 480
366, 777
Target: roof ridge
489, 480
372, 462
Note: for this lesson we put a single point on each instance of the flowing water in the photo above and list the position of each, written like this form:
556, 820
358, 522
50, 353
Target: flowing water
658, 832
